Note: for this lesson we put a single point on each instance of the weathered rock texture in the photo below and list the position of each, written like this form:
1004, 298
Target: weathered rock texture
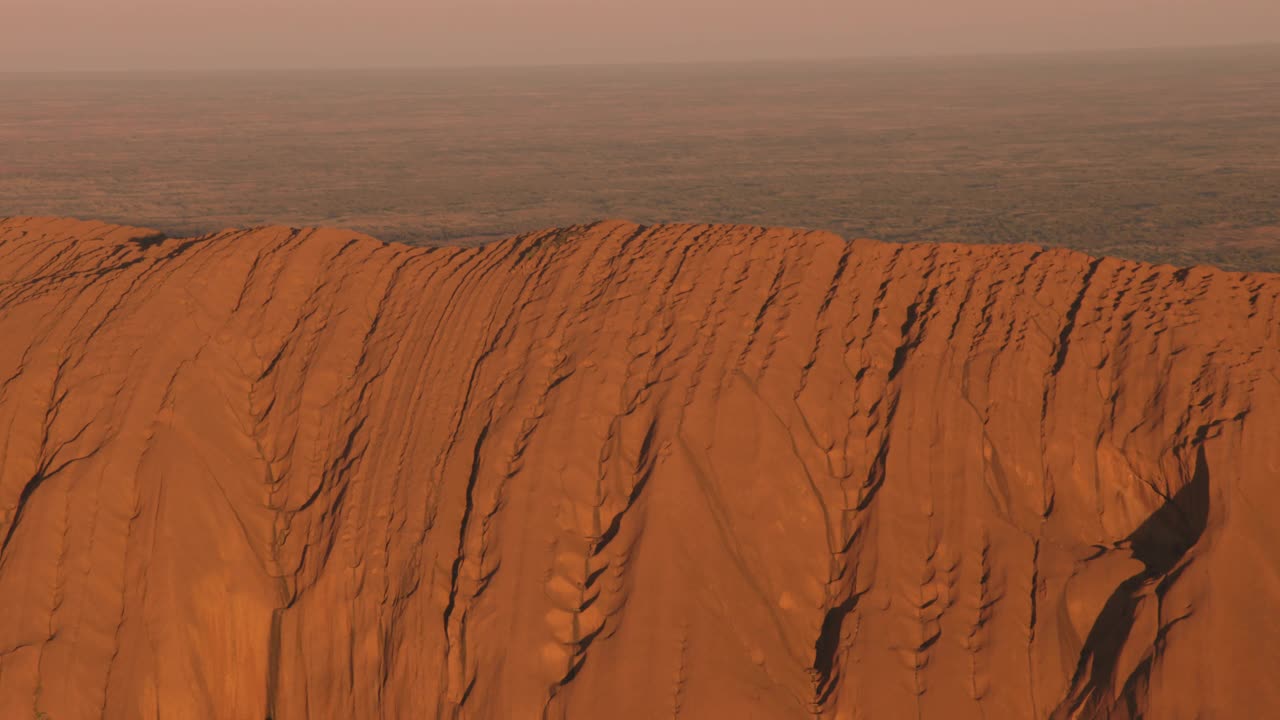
616, 472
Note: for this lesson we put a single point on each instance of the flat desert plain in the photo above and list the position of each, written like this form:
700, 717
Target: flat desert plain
1169, 156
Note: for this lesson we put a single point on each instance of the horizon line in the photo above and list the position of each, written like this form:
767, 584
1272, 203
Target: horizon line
779, 60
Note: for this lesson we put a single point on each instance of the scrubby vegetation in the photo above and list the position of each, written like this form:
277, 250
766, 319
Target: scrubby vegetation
1168, 156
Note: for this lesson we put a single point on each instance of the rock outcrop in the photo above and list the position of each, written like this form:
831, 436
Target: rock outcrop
618, 471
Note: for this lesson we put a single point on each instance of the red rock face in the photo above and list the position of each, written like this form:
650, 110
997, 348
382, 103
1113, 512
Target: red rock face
615, 471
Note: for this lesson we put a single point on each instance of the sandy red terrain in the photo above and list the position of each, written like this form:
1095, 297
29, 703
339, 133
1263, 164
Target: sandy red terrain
620, 471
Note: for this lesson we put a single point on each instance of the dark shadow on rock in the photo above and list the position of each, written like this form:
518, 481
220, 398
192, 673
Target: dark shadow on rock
149, 241
827, 647
1160, 543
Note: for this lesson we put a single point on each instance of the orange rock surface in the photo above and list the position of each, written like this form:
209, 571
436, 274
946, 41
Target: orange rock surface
626, 472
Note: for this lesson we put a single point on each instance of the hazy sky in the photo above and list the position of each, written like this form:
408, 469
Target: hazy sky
111, 34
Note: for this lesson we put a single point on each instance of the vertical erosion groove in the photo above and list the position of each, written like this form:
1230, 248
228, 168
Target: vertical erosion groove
625, 471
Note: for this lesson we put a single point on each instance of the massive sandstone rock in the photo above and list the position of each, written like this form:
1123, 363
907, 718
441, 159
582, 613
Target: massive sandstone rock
626, 472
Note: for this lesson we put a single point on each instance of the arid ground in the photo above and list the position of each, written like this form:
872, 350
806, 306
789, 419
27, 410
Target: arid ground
1163, 156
